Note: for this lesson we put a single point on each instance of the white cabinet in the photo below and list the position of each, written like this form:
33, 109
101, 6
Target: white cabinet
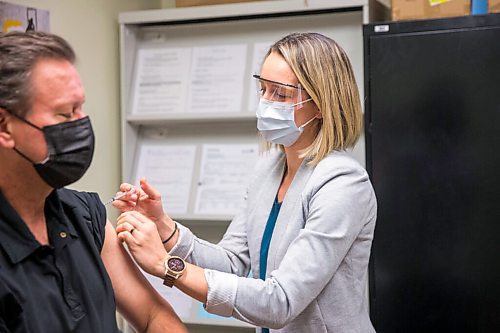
245, 27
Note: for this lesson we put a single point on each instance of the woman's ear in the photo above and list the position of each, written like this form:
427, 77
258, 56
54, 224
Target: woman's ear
319, 115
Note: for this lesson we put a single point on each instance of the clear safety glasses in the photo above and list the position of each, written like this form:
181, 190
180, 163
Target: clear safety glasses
281, 93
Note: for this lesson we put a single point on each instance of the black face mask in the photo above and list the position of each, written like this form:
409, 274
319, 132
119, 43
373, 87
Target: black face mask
71, 148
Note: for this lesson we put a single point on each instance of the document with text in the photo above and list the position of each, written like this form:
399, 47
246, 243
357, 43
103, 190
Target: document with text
161, 80
217, 74
224, 174
258, 54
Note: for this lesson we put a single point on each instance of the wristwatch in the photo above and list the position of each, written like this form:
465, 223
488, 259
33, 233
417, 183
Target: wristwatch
174, 267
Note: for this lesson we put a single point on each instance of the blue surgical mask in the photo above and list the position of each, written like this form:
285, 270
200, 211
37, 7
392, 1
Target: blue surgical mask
276, 122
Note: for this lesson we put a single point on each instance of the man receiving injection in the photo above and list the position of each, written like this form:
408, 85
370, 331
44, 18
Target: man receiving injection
61, 266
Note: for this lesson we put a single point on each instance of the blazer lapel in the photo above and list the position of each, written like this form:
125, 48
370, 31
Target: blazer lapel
288, 208
264, 199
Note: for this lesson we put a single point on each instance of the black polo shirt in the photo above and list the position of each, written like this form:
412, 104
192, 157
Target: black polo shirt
61, 287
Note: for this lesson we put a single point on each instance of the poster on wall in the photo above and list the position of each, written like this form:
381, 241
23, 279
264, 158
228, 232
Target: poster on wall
21, 18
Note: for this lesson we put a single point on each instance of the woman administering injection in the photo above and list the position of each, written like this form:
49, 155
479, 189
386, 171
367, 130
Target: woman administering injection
306, 230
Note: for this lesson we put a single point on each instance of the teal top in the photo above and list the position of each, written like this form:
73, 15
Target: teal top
266, 241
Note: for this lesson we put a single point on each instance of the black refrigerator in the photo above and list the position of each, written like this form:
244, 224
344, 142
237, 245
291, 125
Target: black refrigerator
432, 118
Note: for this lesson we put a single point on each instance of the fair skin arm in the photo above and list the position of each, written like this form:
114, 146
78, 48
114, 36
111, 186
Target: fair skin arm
139, 303
145, 245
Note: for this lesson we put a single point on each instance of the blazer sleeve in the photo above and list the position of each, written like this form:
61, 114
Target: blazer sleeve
231, 255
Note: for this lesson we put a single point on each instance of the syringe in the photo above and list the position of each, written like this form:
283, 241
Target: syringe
118, 196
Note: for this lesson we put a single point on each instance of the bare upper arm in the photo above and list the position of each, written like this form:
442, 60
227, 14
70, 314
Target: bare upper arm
136, 300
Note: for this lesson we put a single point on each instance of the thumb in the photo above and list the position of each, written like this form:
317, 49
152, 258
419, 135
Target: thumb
152, 193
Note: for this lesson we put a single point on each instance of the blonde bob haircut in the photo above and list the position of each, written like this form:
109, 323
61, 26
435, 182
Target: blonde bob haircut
325, 72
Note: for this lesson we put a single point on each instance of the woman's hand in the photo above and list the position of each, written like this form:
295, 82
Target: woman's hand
144, 199
147, 201
141, 236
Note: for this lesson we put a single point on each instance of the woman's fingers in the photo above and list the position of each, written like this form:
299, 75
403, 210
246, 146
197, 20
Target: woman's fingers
124, 206
142, 239
135, 220
134, 228
126, 237
125, 187
125, 226
126, 199
128, 195
128, 218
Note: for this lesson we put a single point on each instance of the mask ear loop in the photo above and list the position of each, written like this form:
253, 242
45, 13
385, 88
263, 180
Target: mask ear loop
23, 120
301, 127
32, 125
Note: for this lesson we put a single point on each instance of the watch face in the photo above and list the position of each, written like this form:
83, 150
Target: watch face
175, 264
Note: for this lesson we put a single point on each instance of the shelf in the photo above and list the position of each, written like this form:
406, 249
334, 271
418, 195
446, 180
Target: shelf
179, 118
237, 10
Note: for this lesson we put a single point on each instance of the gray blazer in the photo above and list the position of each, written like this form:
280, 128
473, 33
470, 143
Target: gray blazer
318, 257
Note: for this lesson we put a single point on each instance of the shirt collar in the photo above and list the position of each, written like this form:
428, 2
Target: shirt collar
58, 222
15, 237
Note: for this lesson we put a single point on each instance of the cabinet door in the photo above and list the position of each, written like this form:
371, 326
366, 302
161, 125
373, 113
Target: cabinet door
433, 117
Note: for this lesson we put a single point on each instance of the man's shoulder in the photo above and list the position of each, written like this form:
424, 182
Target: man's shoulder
76, 198
88, 210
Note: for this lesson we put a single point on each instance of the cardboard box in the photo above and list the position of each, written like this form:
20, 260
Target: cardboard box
419, 9
188, 3
493, 6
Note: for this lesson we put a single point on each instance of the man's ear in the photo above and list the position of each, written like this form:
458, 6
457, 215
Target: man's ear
6, 139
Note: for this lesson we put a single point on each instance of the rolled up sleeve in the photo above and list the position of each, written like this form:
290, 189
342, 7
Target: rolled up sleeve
222, 289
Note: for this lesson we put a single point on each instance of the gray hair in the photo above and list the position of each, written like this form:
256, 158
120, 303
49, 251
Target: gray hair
19, 53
